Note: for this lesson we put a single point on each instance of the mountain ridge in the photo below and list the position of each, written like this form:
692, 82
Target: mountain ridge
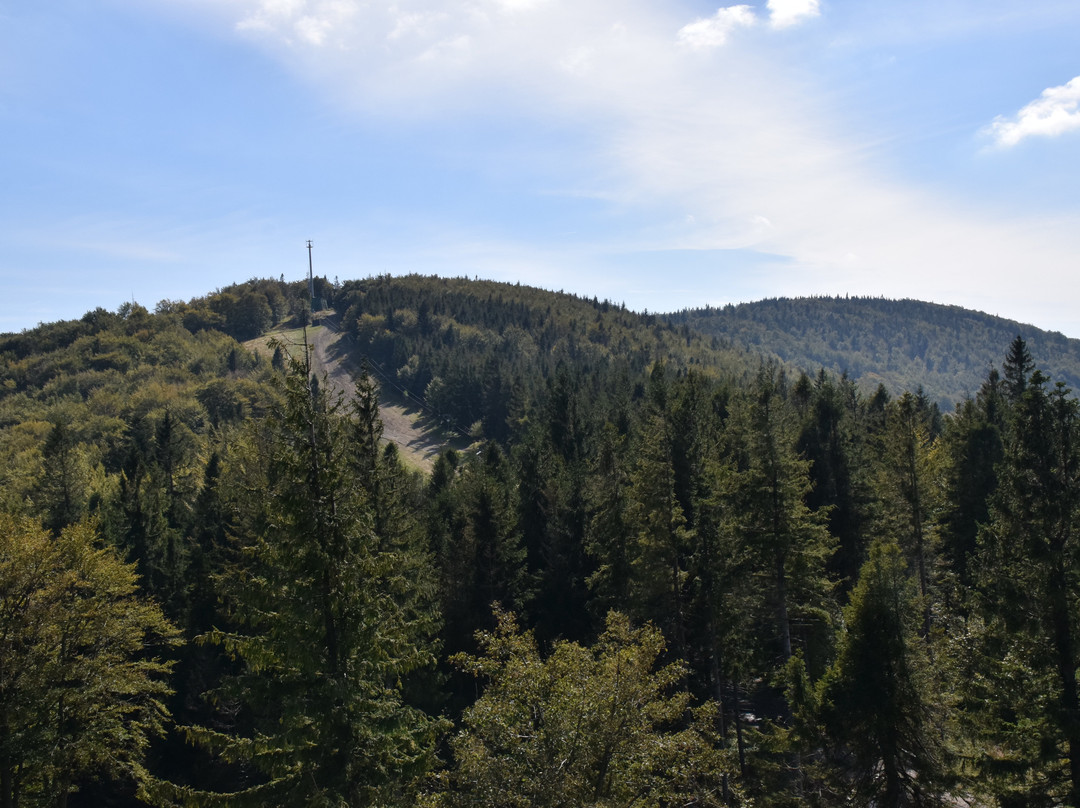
903, 344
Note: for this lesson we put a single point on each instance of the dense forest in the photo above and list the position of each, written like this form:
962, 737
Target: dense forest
903, 344
667, 571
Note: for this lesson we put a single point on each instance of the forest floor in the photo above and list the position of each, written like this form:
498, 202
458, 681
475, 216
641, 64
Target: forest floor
418, 435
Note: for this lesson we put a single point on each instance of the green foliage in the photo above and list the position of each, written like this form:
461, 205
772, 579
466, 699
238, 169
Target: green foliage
661, 540
835, 438
788, 543
498, 353
586, 726
61, 491
908, 486
1028, 575
81, 690
478, 543
903, 344
622, 462
879, 705
329, 622
972, 449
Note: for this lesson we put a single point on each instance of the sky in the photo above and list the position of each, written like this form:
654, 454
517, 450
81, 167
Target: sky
664, 154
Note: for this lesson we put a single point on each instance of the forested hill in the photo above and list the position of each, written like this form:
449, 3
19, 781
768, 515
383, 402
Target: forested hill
487, 355
899, 343
661, 571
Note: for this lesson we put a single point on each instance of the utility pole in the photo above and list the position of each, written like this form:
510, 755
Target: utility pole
311, 298
310, 280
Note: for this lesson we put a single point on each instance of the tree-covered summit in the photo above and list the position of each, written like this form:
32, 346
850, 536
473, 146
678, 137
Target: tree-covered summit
658, 570
903, 344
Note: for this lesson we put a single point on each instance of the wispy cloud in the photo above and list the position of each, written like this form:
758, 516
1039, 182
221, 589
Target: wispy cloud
1053, 113
785, 13
716, 153
714, 31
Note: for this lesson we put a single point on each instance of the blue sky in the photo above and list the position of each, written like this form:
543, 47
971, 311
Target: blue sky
664, 154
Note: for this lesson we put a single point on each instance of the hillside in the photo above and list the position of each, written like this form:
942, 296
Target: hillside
415, 431
647, 538
899, 343
486, 356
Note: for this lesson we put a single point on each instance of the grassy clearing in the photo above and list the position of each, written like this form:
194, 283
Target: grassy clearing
292, 339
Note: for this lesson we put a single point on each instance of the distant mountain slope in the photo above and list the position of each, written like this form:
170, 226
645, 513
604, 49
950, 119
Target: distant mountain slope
486, 355
902, 344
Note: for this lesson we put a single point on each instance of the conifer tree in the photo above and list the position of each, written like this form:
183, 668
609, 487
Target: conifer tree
325, 634
722, 596
662, 541
878, 700
833, 440
1029, 565
1018, 367
789, 543
608, 537
551, 507
62, 489
909, 480
480, 552
973, 445
786, 546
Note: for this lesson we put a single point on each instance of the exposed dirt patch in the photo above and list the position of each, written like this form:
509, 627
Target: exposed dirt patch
417, 434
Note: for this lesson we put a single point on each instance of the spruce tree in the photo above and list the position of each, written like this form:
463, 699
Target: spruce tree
608, 538
62, 489
1018, 367
324, 634
973, 445
907, 486
788, 543
877, 700
662, 540
1028, 606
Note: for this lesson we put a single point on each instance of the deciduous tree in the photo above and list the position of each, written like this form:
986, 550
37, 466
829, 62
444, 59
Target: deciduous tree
600, 726
81, 689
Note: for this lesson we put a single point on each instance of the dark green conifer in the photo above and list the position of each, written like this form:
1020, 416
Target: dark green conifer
878, 703
1027, 597
326, 629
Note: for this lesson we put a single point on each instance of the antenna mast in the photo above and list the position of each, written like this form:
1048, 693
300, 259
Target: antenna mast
310, 279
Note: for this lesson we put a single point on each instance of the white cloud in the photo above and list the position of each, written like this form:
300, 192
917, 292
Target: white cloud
313, 30
297, 22
711, 32
724, 153
784, 13
1054, 113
